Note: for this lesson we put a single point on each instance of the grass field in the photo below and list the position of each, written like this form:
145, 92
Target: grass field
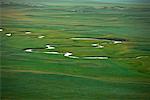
31, 71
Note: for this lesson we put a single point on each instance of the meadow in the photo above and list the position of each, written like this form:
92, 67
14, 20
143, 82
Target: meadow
109, 45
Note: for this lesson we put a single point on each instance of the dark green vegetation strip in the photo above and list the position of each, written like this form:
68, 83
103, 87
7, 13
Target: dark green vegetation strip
28, 86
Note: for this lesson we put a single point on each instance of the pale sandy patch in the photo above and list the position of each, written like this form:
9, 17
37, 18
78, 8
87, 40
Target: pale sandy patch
8, 34
48, 46
28, 50
95, 57
117, 42
52, 52
1, 30
40, 37
27, 32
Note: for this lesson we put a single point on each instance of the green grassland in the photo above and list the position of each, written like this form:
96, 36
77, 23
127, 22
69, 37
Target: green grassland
40, 76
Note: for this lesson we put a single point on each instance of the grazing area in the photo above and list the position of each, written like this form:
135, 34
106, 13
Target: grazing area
75, 50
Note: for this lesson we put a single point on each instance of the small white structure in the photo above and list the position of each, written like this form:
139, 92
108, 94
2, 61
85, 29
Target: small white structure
8, 34
27, 32
52, 52
41, 36
100, 46
1, 30
28, 50
97, 45
117, 42
95, 57
67, 54
49, 47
